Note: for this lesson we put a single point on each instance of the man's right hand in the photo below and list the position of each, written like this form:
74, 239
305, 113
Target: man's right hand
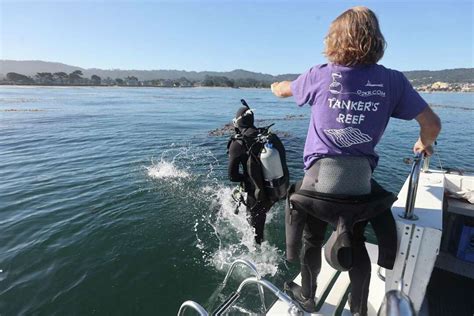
281, 89
430, 126
419, 147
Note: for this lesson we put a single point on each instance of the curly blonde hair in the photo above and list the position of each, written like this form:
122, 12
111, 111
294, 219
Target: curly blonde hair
354, 38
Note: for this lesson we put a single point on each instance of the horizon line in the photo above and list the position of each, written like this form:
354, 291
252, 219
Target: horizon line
197, 71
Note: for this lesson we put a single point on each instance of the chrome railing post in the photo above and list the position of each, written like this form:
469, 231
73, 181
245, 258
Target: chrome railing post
426, 164
243, 262
253, 268
293, 309
192, 305
412, 188
396, 303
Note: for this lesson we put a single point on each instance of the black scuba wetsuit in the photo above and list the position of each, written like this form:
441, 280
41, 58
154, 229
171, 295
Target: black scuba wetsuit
256, 210
344, 176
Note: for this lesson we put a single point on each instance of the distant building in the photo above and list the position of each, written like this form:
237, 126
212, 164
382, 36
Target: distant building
132, 81
440, 86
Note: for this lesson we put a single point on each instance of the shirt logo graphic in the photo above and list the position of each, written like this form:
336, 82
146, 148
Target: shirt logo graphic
335, 87
346, 137
370, 84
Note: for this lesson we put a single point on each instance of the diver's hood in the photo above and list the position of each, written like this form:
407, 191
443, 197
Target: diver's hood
244, 118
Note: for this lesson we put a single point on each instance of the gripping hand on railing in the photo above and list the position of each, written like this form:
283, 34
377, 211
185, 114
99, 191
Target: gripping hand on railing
420, 148
430, 126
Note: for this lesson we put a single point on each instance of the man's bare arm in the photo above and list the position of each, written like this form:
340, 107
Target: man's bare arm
282, 89
430, 126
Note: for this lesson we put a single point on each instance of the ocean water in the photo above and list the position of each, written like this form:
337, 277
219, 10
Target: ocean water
115, 201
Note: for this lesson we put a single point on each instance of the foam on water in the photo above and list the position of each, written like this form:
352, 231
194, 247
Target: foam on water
178, 161
222, 236
235, 236
166, 170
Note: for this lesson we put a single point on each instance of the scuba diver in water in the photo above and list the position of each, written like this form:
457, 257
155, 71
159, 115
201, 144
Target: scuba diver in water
352, 99
264, 175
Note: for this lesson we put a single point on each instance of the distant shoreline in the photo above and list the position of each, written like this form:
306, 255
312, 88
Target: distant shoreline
47, 74
151, 86
124, 86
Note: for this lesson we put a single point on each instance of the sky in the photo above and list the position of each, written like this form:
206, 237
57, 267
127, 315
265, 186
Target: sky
273, 37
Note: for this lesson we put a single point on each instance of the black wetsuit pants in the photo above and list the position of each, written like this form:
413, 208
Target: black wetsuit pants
359, 275
314, 232
257, 214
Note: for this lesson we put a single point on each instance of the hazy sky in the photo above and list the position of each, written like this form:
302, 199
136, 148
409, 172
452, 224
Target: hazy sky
266, 36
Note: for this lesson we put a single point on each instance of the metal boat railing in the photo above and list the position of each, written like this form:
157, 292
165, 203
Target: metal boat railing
396, 303
413, 187
252, 268
192, 305
293, 308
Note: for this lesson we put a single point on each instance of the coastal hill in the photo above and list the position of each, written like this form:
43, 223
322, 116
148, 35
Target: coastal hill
32, 67
423, 77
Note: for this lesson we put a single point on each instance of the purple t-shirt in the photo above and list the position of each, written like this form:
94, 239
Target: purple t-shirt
351, 107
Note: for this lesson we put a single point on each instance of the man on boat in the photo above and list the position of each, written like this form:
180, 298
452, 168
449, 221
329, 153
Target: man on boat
352, 99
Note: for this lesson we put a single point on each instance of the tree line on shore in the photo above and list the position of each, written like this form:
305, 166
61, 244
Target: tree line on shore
77, 78
442, 80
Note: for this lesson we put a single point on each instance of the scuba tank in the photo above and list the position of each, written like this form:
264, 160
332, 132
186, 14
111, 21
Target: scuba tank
271, 164
274, 181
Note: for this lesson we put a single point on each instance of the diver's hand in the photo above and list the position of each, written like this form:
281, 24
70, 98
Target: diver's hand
419, 147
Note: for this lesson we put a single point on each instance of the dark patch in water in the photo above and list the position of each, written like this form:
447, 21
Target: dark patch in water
23, 110
442, 106
228, 129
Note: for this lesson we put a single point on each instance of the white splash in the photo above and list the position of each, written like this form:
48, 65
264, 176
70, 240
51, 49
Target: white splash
222, 236
235, 235
166, 170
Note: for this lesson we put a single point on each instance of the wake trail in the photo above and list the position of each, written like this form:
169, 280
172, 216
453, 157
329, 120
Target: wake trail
222, 236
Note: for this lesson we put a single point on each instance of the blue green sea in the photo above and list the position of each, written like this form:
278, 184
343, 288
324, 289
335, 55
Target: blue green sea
115, 201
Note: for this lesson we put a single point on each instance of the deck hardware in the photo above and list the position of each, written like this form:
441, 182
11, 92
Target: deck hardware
380, 275
252, 268
228, 303
426, 165
293, 309
192, 305
412, 188
396, 303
